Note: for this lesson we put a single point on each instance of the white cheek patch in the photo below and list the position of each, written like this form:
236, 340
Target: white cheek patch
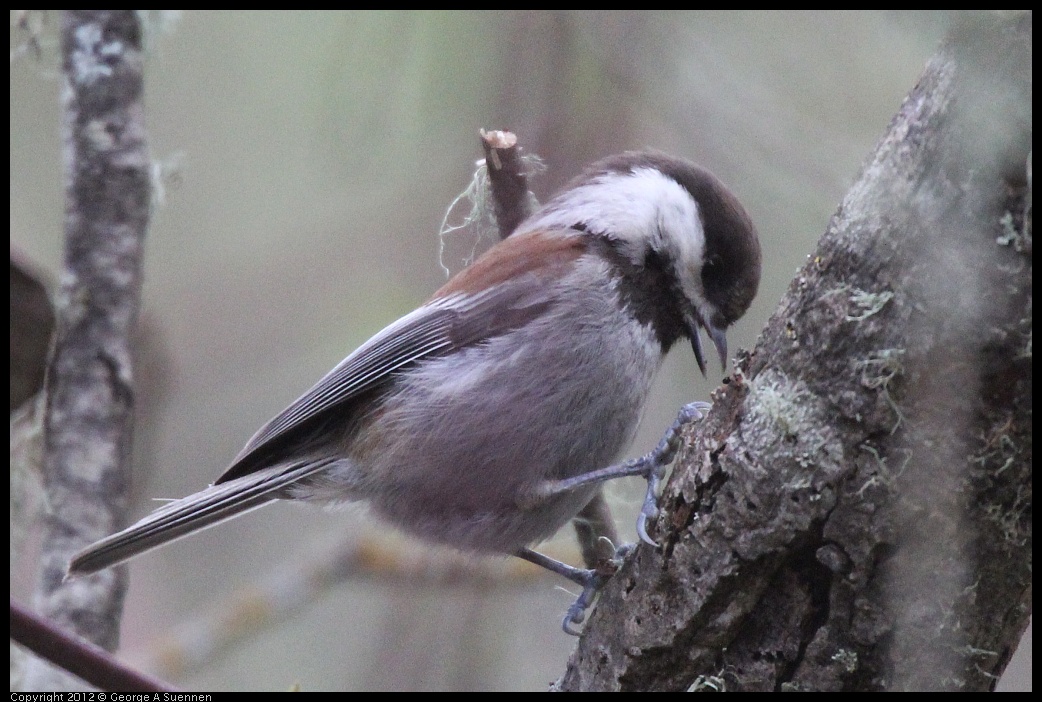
639, 210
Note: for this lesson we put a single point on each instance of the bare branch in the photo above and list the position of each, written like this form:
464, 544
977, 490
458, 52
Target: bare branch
205, 637
508, 180
85, 660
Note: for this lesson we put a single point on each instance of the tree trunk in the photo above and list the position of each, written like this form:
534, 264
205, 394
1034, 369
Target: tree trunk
855, 512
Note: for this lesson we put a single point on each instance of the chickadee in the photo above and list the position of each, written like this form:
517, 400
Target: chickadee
485, 419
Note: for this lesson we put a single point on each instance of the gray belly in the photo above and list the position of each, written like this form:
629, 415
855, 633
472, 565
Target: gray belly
466, 439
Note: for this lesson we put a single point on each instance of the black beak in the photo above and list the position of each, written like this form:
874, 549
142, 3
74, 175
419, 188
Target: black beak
694, 324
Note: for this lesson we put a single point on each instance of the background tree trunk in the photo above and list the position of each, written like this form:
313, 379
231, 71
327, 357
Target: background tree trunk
88, 420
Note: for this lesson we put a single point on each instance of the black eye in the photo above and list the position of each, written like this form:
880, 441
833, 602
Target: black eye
712, 270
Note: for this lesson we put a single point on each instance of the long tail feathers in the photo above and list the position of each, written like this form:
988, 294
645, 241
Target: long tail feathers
182, 517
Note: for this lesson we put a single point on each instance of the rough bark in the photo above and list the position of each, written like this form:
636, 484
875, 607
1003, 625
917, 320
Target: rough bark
90, 394
855, 513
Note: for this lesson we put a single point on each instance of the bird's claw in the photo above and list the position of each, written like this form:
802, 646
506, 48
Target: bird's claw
575, 615
649, 510
657, 461
596, 579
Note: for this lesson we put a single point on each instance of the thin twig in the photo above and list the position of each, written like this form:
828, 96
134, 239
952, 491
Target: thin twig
209, 635
81, 658
508, 180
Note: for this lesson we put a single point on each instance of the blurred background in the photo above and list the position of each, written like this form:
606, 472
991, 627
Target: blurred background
310, 160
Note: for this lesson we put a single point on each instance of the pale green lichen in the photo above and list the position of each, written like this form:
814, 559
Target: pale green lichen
867, 303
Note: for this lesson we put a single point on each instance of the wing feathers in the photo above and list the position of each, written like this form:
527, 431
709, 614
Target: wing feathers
460, 314
419, 334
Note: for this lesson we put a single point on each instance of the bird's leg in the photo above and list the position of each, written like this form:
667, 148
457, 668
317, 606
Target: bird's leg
590, 579
652, 466
593, 524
